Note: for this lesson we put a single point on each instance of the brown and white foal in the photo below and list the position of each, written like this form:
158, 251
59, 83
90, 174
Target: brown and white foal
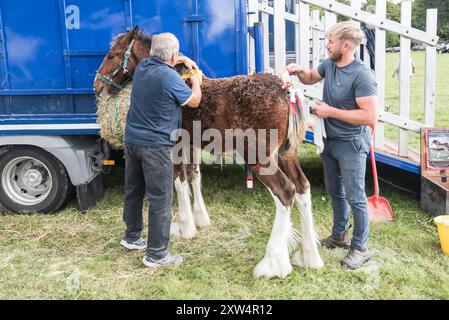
237, 104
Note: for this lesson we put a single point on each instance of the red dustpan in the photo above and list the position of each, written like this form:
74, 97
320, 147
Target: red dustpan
379, 209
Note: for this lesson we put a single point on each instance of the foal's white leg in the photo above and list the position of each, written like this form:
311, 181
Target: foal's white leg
276, 262
310, 256
185, 227
199, 208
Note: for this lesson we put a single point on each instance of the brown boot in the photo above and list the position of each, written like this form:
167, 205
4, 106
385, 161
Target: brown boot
355, 258
341, 241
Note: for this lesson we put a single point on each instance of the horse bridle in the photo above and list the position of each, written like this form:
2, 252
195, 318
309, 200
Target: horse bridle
122, 67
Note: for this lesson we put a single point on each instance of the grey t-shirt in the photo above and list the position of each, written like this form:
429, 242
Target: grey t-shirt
341, 87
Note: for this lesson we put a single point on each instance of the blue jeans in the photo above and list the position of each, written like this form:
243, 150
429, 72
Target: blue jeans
149, 170
344, 164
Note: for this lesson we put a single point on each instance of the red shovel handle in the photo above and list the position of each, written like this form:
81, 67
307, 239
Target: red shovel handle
373, 167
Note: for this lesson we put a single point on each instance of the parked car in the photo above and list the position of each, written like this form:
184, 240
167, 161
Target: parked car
442, 48
393, 49
419, 47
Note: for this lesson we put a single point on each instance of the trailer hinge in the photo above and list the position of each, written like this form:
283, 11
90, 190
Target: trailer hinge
194, 18
251, 31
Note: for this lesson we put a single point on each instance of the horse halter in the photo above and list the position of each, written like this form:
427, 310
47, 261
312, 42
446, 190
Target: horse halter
122, 67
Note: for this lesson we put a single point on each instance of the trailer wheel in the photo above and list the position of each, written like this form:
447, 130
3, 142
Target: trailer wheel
32, 180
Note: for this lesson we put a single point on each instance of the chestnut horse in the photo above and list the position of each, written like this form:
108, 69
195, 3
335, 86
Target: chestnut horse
254, 102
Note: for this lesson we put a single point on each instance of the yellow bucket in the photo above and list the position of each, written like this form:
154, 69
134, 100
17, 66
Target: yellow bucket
442, 223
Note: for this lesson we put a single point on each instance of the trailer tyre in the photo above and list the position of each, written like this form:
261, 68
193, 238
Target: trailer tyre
32, 180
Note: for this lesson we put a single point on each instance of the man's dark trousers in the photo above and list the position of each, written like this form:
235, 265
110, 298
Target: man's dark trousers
149, 170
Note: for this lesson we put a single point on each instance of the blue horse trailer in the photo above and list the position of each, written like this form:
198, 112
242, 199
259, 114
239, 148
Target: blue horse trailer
49, 53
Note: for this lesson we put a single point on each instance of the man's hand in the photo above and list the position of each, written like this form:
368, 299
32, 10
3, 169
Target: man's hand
365, 115
321, 109
294, 68
195, 79
305, 76
195, 100
189, 63
198, 75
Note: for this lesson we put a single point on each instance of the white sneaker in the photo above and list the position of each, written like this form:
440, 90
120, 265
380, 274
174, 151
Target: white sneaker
139, 244
166, 261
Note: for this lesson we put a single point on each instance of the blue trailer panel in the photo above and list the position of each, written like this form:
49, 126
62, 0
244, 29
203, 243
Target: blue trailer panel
50, 51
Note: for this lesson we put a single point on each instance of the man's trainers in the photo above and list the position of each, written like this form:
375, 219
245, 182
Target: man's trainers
341, 242
355, 258
139, 244
168, 260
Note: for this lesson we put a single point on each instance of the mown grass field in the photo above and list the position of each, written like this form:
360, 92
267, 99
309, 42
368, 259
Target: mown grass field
417, 93
70, 255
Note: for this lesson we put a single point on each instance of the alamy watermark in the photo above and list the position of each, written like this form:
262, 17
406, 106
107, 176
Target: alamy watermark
250, 146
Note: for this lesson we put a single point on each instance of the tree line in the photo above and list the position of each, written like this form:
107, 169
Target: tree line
419, 8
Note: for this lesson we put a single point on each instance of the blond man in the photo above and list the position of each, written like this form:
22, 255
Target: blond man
349, 108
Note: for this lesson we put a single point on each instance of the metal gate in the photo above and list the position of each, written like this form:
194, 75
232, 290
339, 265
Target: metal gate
284, 20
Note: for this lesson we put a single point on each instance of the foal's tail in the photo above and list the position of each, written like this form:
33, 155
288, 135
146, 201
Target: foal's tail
296, 122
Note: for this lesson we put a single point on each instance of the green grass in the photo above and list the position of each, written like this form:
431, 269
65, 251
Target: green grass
417, 93
70, 255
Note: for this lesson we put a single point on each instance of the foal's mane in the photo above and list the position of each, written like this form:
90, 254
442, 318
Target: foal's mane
141, 37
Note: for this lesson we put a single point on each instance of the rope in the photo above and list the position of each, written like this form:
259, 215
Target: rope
117, 117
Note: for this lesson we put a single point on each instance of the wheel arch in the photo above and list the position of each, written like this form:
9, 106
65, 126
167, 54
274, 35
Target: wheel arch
80, 156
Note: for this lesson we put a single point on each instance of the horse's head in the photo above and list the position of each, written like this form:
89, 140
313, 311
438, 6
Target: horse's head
118, 65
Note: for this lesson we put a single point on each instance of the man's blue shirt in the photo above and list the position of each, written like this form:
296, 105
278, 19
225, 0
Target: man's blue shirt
157, 94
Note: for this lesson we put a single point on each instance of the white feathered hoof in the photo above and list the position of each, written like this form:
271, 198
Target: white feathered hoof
297, 259
175, 230
201, 217
307, 261
184, 232
270, 268
188, 231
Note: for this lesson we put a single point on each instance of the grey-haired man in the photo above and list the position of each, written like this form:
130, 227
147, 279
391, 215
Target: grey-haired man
158, 93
